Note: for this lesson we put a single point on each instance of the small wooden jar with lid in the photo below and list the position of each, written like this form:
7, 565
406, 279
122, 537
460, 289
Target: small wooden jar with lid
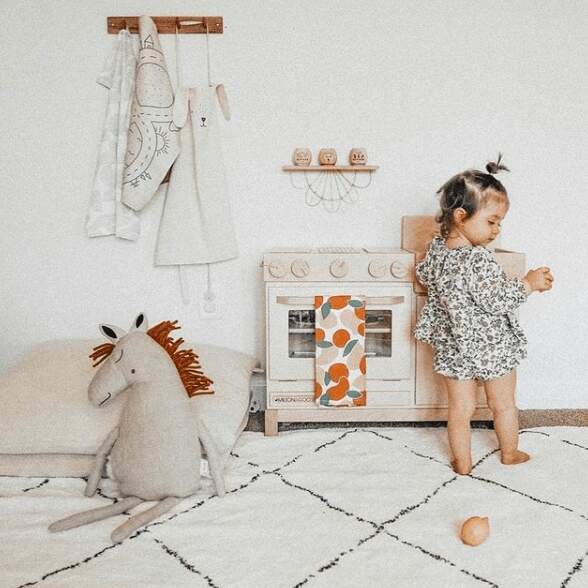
327, 156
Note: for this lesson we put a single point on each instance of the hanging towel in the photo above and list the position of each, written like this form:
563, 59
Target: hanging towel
196, 224
340, 364
153, 142
107, 215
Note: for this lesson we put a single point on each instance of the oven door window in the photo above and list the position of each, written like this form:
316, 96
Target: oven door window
378, 333
300, 333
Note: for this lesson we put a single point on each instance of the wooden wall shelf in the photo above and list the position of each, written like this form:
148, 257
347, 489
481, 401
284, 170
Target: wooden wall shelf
168, 24
347, 168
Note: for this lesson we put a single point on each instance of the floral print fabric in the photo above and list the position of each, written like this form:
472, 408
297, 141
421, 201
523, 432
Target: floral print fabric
469, 316
340, 366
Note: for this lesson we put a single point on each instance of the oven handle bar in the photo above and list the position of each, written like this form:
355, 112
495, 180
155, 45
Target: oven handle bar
309, 300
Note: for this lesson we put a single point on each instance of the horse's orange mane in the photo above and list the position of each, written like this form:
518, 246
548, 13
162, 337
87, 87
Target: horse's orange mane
100, 353
185, 360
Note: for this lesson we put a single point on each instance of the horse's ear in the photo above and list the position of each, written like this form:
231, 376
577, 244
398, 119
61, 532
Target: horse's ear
112, 333
140, 323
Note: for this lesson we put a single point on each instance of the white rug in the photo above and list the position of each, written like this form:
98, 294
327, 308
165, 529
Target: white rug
326, 507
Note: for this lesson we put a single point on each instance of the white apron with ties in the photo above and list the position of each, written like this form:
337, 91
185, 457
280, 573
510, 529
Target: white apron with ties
196, 225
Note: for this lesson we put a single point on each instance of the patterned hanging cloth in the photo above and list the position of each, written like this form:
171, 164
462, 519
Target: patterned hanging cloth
153, 141
340, 366
107, 215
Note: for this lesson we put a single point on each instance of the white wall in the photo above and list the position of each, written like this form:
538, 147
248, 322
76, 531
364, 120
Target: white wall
429, 88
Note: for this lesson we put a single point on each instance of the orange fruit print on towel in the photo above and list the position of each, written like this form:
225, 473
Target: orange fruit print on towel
341, 337
340, 370
338, 302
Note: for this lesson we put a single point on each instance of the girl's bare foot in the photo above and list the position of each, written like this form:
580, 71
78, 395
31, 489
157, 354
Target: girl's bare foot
461, 467
514, 458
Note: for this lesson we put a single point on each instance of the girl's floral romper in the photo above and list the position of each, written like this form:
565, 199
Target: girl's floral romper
469, 318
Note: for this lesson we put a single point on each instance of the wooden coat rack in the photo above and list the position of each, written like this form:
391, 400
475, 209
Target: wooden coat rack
185, 25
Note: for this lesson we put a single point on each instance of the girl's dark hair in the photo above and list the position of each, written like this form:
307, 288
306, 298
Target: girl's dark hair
470, 190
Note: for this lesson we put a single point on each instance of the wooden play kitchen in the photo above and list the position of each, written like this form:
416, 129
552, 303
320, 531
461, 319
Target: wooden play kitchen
400, 385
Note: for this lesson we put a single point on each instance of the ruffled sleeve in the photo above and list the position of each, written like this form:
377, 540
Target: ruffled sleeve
424, 268
489, 287
422, 272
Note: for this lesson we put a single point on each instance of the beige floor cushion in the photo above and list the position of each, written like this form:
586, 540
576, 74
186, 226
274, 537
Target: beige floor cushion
49, 428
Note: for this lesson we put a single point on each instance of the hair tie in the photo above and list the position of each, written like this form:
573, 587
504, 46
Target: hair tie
493, 168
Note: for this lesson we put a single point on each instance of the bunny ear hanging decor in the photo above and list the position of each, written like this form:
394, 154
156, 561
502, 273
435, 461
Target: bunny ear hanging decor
328, 182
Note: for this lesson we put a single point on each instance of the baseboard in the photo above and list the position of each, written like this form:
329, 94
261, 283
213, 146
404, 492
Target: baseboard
528, 418
553, 417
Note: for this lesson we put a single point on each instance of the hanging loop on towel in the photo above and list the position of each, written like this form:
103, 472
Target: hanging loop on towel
179, 23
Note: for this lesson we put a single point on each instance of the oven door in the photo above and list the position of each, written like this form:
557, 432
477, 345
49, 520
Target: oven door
291, 328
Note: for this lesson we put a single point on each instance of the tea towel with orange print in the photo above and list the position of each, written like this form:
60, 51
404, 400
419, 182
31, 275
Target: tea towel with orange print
340, 351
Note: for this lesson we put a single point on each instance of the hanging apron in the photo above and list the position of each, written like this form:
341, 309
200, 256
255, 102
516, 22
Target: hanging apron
196, 225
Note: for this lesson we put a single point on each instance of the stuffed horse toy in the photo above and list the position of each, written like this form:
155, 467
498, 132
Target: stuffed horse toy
155, 449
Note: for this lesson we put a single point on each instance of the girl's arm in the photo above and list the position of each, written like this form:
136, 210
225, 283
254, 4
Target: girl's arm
489, 287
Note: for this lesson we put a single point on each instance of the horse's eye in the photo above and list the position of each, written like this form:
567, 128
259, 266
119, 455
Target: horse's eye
133, 371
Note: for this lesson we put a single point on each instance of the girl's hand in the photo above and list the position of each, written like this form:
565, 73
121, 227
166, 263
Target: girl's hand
539, 280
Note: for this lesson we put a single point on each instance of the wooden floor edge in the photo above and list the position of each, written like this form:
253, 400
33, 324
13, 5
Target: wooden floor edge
553, 417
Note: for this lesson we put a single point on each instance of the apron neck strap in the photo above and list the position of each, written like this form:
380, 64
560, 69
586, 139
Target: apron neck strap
179, 59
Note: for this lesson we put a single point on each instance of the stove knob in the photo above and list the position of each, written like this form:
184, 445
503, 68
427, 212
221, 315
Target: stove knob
276, 269
300, 268
398, 269
339, 268
377, 268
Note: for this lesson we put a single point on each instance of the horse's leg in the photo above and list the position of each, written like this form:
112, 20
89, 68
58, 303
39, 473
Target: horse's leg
96, 514
134, 523
214, 460
101, 455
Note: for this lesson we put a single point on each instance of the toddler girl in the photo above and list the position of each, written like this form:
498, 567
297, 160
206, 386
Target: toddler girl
469, 318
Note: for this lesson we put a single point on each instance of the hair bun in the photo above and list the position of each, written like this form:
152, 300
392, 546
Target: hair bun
494, 167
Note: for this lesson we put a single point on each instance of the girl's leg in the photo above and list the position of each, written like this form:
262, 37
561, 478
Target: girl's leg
501, 400
462, 404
